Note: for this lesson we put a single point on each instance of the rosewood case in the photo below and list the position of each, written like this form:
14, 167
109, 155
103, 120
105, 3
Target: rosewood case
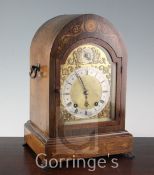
45, 131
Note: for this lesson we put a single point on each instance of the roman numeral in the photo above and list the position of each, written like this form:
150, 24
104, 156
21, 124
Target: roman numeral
76, 111
87, 72
69, 104
66, 93
102, 81
69, 83
101, 101
105, 91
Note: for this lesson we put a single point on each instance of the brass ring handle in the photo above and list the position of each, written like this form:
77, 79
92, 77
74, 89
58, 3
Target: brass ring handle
34, 70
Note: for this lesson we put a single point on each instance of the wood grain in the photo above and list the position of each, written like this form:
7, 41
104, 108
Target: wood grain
17, 160
78, 146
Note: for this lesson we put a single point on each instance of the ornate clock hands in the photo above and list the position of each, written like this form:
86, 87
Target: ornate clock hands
85, 92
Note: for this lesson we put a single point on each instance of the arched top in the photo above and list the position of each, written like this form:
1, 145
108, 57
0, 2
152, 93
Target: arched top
54, 36
90, 26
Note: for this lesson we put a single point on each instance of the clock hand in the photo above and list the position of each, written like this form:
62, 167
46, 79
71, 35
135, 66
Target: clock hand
86, 101
85, 92
80, 79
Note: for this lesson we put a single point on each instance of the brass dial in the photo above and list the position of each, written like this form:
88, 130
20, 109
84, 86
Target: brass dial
85, 83
85, 93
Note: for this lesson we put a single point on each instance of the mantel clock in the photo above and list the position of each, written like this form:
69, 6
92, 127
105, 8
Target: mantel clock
77, 89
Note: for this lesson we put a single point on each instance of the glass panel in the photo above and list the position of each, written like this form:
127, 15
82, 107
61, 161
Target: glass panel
88, 81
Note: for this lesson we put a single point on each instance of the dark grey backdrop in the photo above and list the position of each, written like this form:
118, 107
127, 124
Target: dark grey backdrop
19, 19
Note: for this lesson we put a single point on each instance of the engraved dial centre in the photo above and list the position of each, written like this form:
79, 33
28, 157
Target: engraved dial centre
94, 91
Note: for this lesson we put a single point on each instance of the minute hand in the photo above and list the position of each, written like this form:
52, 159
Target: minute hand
83, 86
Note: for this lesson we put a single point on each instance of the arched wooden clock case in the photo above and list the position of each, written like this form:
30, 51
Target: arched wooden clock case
47, 131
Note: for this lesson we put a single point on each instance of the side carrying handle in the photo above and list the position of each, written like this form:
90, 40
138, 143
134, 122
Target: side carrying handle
34, 70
